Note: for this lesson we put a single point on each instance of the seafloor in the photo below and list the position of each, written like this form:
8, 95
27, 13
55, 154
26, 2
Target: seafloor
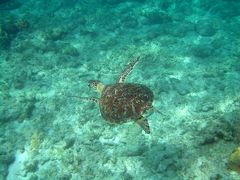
190, 58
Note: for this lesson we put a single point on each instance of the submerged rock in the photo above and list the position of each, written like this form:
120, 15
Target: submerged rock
9, 28
180, 86
202, 50
234, 160
9, 4
206, 27
3, 1
4, 38
157, 17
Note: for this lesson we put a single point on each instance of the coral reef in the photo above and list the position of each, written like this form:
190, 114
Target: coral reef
10, 26
234, 160
6, 5
4, 38
189, 58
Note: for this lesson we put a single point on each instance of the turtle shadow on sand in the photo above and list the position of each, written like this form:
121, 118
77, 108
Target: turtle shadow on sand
164, 160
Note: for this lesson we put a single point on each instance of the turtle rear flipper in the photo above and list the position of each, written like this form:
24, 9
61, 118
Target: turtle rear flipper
143, 122
128, 69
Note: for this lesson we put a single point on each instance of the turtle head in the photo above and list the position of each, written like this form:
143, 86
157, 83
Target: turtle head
96, 84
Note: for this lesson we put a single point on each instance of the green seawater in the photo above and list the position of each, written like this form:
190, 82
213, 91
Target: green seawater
189, 56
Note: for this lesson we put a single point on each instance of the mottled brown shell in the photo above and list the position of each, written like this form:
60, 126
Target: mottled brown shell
124, 101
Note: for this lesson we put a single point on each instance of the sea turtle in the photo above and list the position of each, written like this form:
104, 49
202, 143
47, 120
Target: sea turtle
122, 102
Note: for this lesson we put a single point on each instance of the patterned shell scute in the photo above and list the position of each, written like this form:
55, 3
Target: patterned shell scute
124, 101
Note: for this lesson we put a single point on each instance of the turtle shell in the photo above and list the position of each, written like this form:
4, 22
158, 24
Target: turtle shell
125, 101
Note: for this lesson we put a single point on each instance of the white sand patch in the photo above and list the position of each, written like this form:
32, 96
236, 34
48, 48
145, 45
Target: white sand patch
16, 169
225, 105
182, 111
186, 60
177, 75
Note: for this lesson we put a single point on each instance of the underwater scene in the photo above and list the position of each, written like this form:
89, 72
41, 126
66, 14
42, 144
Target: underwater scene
119, 90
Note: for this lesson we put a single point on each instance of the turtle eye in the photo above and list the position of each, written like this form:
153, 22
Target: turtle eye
93, 83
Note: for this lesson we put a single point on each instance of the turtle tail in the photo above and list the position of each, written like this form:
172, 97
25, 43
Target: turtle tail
143, 123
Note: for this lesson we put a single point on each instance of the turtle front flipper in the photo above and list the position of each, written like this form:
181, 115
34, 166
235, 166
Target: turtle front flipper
143, 122
92, 99
96, 100
128, 69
